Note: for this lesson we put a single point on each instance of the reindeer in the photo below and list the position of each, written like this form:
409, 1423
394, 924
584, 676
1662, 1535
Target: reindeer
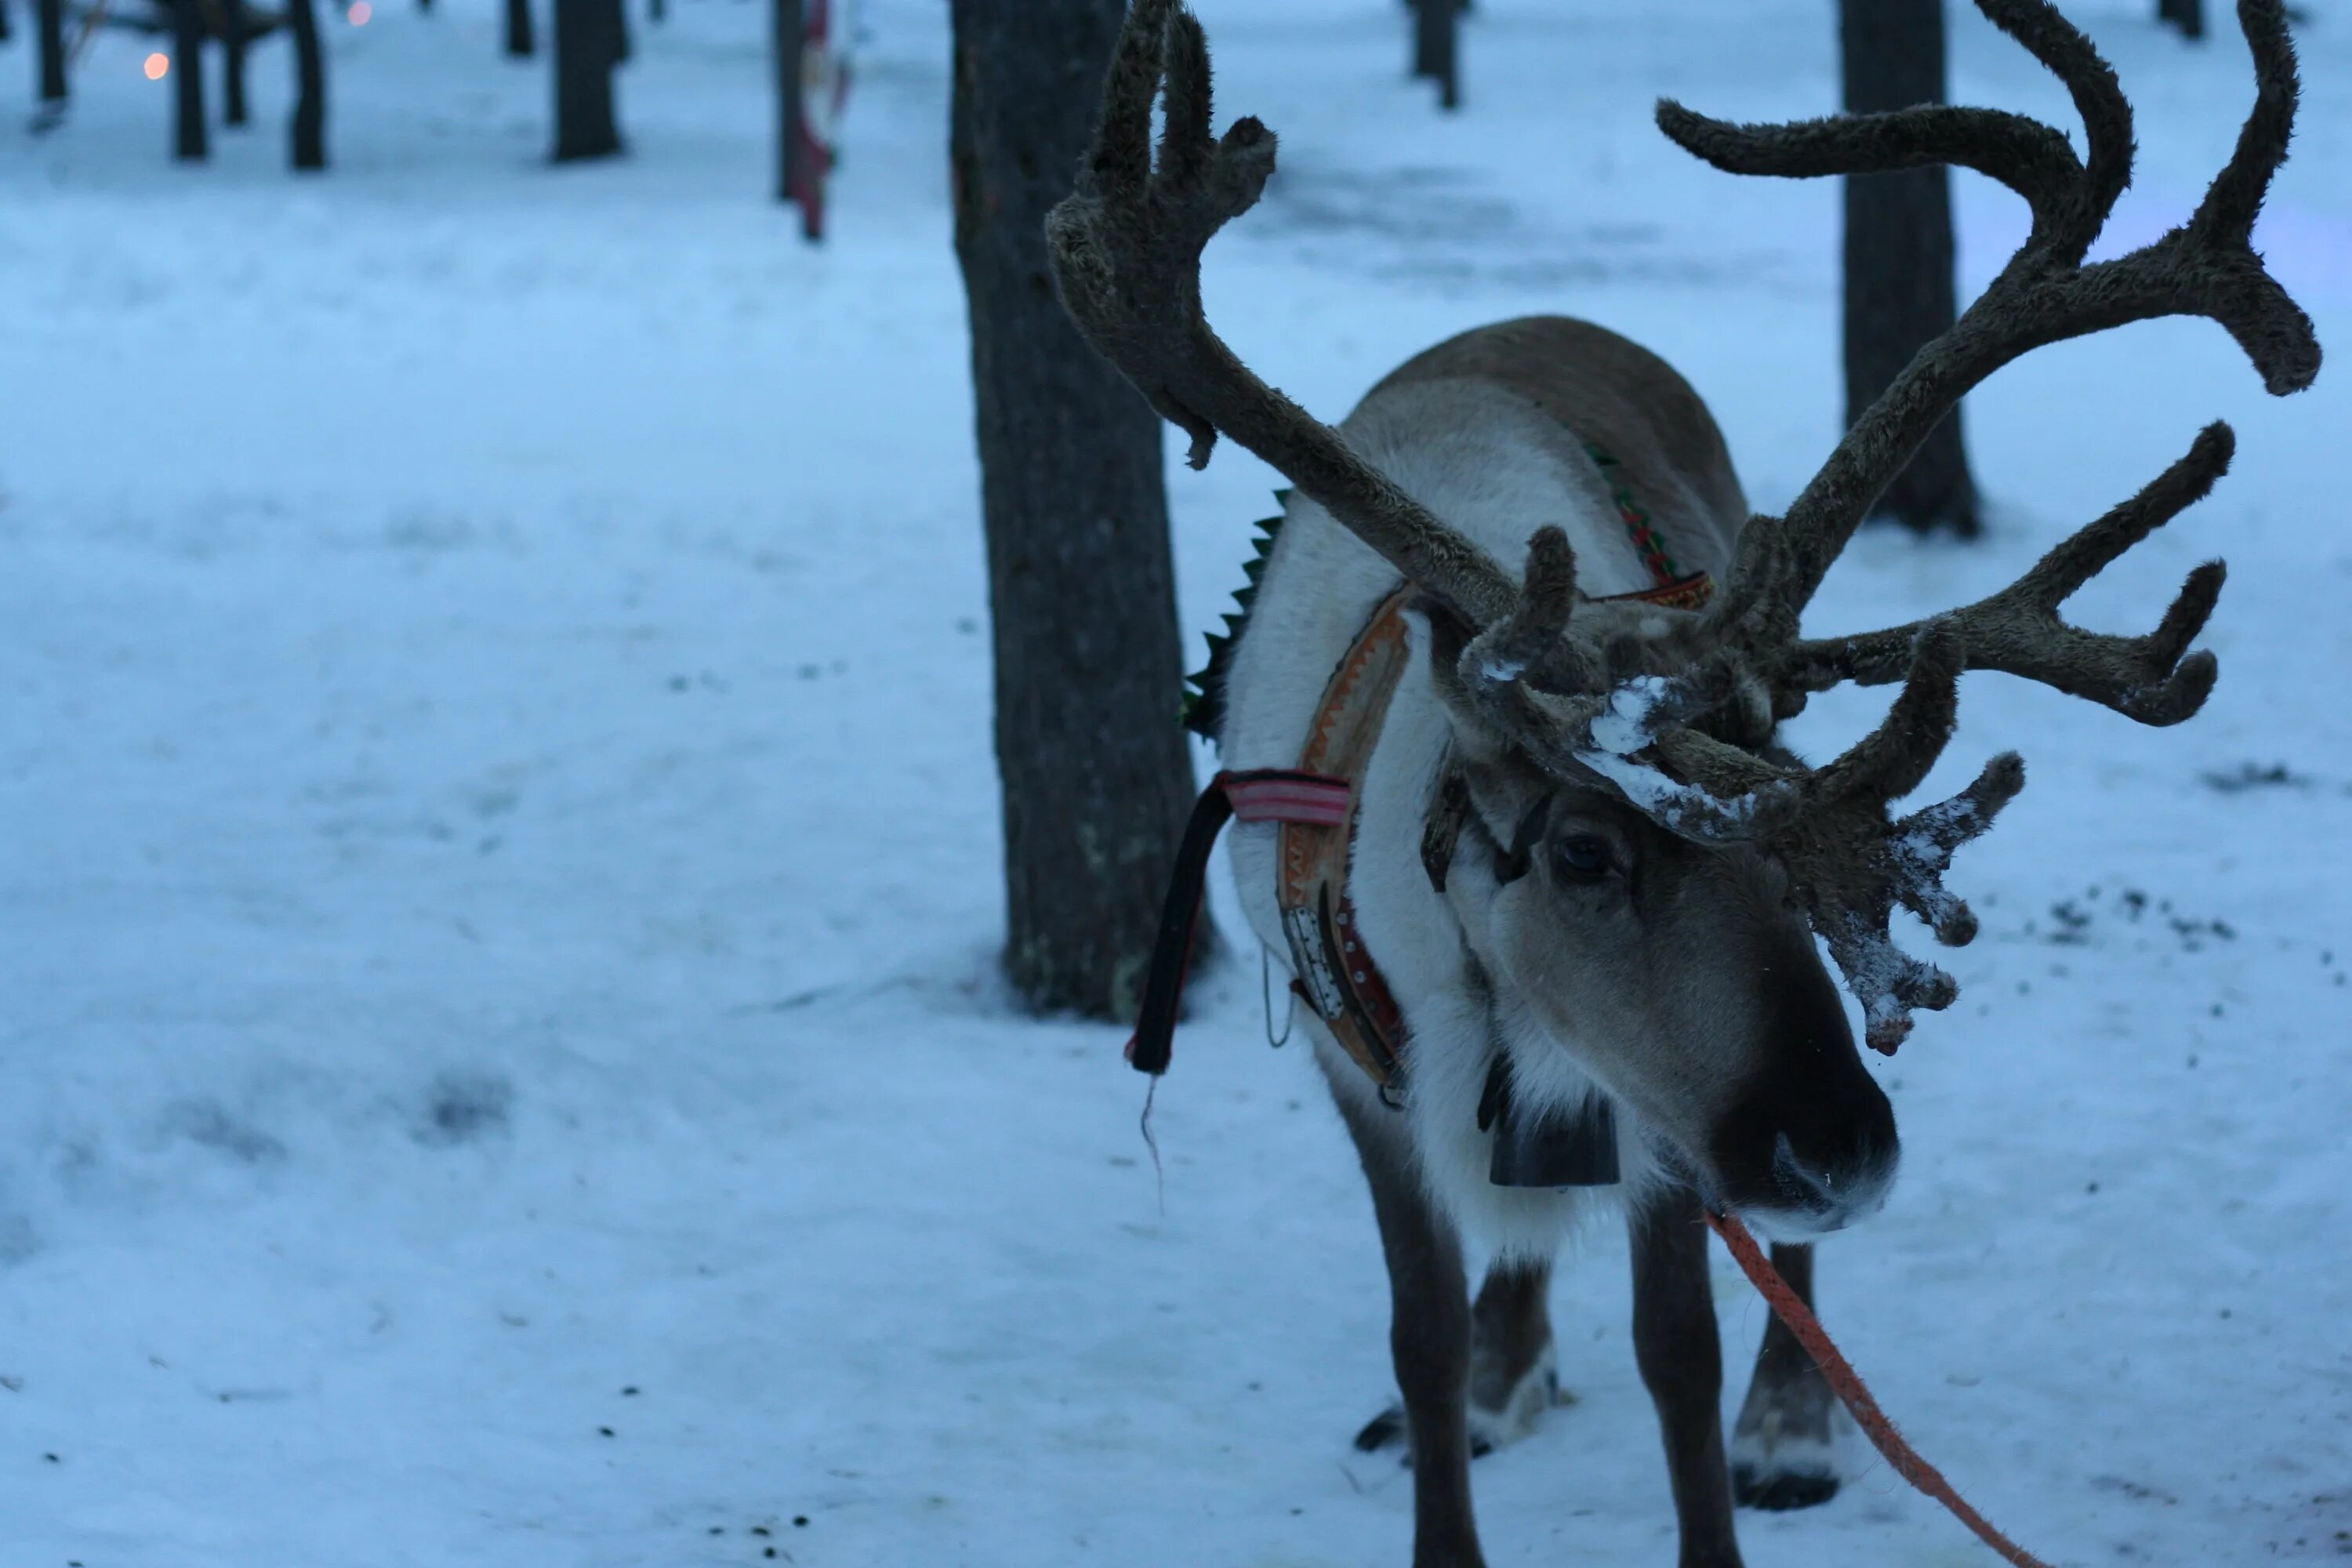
1590, 877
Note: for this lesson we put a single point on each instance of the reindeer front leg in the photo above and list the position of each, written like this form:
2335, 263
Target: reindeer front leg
1781, 1452
1680, 1357
1429, 1335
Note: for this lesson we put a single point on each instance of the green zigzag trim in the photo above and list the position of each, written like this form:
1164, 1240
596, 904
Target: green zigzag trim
1204, 690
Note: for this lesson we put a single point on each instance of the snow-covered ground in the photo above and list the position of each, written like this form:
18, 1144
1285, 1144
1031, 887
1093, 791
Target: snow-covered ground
497, 891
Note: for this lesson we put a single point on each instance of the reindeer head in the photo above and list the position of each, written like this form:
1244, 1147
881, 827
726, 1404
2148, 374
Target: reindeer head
1619, 758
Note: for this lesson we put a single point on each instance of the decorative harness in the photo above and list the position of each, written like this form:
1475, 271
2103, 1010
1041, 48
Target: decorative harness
1315, 805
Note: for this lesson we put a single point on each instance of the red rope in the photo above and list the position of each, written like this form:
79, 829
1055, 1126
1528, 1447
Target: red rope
1791, 1310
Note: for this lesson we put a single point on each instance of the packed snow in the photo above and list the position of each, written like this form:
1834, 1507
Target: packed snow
504, 1058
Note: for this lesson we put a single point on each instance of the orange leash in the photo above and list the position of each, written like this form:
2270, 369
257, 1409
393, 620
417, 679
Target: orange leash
1792, 1311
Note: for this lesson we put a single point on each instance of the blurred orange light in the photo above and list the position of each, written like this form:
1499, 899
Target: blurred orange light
360, 13
158, 66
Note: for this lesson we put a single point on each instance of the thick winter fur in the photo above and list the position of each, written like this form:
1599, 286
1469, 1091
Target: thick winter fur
1473, 431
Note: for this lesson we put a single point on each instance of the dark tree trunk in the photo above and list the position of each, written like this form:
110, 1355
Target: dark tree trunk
2189, 15
1096, 779
188, 81
49, 21
233, 62
307, 129
658, 10
787, 22
1899, 290
521, 44
1437, 47
591, 39
7, 27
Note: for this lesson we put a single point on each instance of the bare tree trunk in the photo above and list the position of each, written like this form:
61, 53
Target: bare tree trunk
233, 42
519, 43
7, 28
307, 131
787, 21
591, 40
1899, 287
49, 21
188, 82
1096, 774
2189, 15
1437, 47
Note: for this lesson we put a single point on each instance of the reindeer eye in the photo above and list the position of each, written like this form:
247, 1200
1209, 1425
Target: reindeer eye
1582, 857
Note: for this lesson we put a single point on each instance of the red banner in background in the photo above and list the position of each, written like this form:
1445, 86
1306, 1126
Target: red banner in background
823, 84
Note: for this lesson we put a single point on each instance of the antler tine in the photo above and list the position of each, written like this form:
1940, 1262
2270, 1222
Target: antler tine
2099, 99
1893, 759
2235, 197
2029, 157
1126, 248
1537, 625
2019, 632
2069, 202
2206, 268
1852, 867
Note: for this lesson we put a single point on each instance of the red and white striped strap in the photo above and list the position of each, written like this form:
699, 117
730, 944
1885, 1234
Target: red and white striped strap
1271, 794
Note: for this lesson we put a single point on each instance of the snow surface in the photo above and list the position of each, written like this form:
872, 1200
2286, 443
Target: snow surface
503, 1059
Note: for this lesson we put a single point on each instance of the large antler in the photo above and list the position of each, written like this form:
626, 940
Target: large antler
1675, 719
1127, 253
1656, 737
2205, 267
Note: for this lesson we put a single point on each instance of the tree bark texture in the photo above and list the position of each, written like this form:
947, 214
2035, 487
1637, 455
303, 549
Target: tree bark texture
1097, 778
307, 130
188, 81
233, 42
49, 21
520, 42
1899, 284
591, 40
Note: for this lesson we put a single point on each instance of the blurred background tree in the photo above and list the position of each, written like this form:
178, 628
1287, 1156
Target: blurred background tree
49, 21
1899, 263
306, 128
591, 41
187, 81
1437, 47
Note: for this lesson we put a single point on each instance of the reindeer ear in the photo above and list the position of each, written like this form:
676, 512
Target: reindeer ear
1476, 743
1449, 634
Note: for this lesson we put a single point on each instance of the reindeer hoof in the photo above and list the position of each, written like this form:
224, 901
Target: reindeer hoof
1780, 1491
1382, 1430
1491, 1428
1388, 1429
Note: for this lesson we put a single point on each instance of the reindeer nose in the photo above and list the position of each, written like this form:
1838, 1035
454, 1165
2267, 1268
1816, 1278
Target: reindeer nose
1837, 1185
